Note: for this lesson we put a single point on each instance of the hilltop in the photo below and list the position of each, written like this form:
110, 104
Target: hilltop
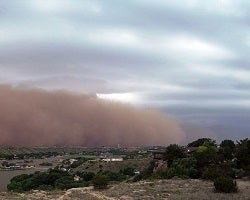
153, 189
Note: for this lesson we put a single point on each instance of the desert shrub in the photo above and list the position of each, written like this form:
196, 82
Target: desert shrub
87, 176
79, 162
225, 184
20, 178
165, 173
53, 178
68, 182
185, 167
15, 187
114, 176
137, 177
100, 181
45, 187
64, 182
129, 171
212, 172
182, 168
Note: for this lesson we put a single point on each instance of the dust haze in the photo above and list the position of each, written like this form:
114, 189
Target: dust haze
33, 117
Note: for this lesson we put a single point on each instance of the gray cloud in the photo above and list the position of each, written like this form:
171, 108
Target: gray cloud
187, 54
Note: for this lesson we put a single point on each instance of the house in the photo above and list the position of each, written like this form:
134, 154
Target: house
191, 150
158, 154
109, 157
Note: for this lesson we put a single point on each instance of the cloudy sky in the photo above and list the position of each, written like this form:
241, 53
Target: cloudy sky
188, 58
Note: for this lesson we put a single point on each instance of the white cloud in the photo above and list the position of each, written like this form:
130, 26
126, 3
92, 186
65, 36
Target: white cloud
218, 7
185, 46
114, 37
61, 6
121, 97
222, 72
195, 47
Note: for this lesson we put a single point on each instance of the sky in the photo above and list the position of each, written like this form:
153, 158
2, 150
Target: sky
187, 58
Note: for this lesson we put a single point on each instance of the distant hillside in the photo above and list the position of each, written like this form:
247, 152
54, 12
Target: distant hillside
28, 150
114, 166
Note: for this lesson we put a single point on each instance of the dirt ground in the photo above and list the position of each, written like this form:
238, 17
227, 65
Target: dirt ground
158, 189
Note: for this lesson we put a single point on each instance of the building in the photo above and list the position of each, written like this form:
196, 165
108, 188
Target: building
109, 157
158, 154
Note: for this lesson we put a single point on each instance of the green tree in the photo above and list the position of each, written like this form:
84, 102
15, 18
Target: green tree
15, 187
201, 142
227, 149
243, 153
100, 181
185, 167
174, 151
129, 171
64, 182
206, 155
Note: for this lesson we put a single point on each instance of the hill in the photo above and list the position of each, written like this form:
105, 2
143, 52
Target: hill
172, 189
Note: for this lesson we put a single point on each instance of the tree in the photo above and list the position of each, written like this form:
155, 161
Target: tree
185, 167
227, 149
243, 153
206, 155
64, 182
129, 171
100, 181
201, 142
174, 151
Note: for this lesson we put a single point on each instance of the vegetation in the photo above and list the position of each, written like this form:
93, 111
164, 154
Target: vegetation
100, 181
227, 161
201, 142
174, 152
52, 179
182, 168
86, 176
225, 184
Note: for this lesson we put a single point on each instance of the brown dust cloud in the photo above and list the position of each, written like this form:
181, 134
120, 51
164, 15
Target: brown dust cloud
34, 117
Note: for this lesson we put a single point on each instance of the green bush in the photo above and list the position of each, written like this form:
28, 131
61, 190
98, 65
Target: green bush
114, 176
225, 184
45, 187
100, 181
52, 179
212, 172
64, 182
165, 173
129, 171
185, 167
15, 187
87, 176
